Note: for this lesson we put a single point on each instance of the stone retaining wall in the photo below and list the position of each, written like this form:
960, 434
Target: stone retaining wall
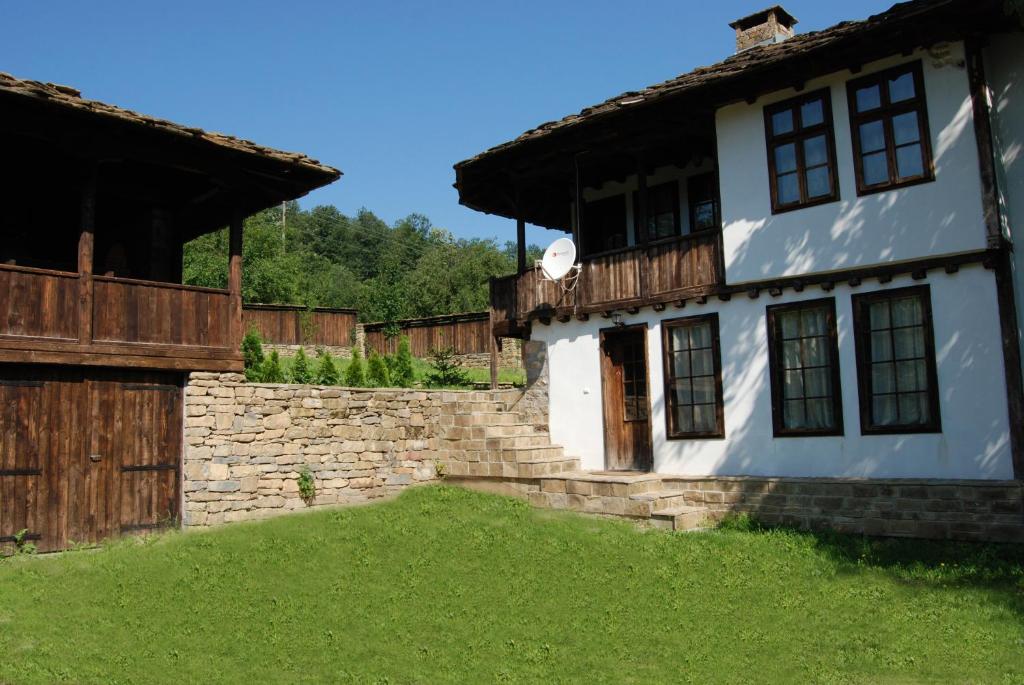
247, 444
311, 350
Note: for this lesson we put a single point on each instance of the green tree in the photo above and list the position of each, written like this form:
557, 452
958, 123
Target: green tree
271, 370
446, 371
327, 372
354, 374
252, 355
377, 375
401, 369
301, 371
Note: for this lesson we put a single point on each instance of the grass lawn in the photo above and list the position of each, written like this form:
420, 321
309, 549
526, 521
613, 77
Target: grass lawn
446, 585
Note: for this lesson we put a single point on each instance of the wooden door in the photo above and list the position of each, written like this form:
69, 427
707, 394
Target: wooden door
626, 404
86, 454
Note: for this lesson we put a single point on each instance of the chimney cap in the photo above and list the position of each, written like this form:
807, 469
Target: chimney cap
783, 17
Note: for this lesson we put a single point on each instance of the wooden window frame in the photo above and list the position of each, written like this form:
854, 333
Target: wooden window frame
797, 136
677, 222
716, 360
862, 341
776, 367
715, 200
885, 112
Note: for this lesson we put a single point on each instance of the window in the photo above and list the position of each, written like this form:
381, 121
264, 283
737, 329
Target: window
801, 152
702, 193
889, 126
899, 391
804, 364
662, 210
693, 377
634, 379
604, 225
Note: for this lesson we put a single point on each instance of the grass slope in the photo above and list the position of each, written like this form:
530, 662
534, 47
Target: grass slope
446, 585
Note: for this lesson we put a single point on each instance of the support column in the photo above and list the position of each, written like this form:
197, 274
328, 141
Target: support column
520, 245
495, 348
86, 249
641, 224
235, 276
577, 203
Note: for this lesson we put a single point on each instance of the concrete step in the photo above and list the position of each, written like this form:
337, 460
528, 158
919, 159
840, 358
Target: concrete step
681, 518
531, 453
546, 467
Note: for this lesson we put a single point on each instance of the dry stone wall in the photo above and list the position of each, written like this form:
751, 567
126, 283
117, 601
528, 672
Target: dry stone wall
248, 444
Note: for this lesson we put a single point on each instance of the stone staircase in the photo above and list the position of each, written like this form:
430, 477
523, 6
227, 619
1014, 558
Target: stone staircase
492, 446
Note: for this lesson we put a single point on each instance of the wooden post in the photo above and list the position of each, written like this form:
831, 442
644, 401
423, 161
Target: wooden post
520, 245
577, 228
86, 248
235, 276
495, 347
641, 224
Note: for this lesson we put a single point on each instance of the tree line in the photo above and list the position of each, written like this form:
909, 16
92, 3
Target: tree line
322, 258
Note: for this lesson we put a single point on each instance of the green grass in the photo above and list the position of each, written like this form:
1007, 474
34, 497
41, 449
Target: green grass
445, 585
421, 367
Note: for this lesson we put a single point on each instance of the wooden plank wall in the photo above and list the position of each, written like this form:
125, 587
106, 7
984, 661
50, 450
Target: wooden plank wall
466, 333
38, 303
283, 324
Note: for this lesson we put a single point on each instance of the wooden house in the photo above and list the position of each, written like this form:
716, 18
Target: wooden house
795, 263
97, 330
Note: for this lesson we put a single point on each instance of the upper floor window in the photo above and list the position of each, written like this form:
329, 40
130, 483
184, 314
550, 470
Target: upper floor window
804, 361
889, 126
693, 377
662, 210
801, 151
604, 225
702, 193
899, 390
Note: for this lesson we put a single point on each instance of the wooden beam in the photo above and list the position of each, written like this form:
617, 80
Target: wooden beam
520, 245
1006, 302
582, 316
577, 205
235, 275
983, 140
86, 248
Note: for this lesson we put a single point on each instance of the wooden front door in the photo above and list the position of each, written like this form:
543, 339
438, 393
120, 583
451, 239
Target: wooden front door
86, 454
627, 412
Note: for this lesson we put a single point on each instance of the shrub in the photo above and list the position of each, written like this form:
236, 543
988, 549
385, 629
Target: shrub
301, 370
354, 375
271, 371
377, 374
252, 354
327, 374
307, 486
401, 364
447, 371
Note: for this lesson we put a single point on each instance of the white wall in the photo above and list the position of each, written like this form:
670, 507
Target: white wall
974, 442
940, 217
1004, 68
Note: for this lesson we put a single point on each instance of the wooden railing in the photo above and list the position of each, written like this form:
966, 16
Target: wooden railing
38, 303
630, 277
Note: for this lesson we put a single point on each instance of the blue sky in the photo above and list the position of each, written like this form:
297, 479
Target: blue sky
392, 93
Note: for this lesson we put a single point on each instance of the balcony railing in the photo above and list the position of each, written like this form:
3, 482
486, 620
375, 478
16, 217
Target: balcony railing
635, 277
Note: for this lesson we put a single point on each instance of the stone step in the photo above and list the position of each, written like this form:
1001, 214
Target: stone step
662, 499
513, 430
604, 484
681, 518
546, 467
517, 441
489, 419
531, 453
481, 408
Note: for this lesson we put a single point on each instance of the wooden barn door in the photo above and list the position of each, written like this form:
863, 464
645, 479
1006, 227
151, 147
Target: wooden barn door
86, 454
626, 405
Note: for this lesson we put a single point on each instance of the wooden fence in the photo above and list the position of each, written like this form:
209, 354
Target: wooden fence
283, 324
466, 333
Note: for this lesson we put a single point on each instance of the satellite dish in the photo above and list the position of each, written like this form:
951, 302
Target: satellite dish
558, 259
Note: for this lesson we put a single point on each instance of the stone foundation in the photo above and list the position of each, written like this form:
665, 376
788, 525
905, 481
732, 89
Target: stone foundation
246, 445
534, 401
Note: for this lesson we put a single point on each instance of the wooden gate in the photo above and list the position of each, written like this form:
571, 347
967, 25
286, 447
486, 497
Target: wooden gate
87, 454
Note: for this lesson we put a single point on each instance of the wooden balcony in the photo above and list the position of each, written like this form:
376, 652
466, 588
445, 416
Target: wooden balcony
61, 317
659, 272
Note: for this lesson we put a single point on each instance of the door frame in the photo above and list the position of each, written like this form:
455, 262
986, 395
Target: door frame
603, 333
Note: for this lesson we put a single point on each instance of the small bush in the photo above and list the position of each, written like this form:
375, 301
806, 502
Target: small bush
377, 374
301, 370
401, 364
327, 374
271, 371
307, 486
354, 375
252, 355
447, 371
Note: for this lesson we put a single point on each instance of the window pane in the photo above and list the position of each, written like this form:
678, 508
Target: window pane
788, 188
704, 216
904, 128
790, 322
819, 414
782, 122
872, 136
662, 225
684, 419
679, 339
910, 376
881, 346
683, 392
815, 152
791, 354
700, 335
793, 384
817, 382
704, 390
785, 158
704, 419
883, 410
911, 409
907, 311
901, 87
882, 378
702, 363
813, 321
681, 365
876, 169
812, 113
817, 182
879, 315
909, 161
908, 343
814, 352
793, 414
868, 98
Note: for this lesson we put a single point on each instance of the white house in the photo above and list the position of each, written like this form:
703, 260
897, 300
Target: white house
794, 263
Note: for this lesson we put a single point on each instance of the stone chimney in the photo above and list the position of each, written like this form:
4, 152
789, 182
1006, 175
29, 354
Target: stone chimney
772, 25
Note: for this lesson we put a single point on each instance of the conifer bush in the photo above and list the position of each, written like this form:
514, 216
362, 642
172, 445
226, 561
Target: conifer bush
377, 374
252, 355
271, 371
354, 374
401, 370
301, 370
327, 373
